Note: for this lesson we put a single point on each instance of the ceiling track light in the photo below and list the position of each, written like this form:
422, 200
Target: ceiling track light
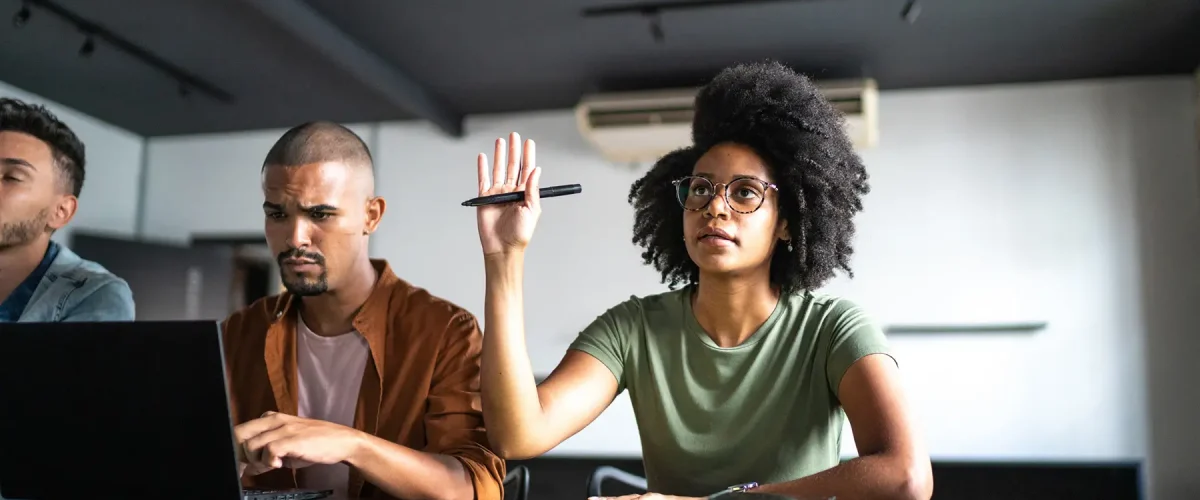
652, 10
93, 32
656, 30
88, 47
676, 5
21, 18
911, 11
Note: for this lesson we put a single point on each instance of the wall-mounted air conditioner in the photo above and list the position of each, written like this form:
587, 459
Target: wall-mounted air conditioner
643, 126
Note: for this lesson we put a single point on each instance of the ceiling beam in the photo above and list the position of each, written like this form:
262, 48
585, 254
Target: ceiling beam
323, 37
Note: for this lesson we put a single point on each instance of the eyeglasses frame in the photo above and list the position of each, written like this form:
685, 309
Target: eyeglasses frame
724, 190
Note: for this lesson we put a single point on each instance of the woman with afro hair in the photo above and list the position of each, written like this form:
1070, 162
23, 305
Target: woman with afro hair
741, 375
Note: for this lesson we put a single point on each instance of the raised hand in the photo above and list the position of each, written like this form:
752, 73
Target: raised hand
508, 228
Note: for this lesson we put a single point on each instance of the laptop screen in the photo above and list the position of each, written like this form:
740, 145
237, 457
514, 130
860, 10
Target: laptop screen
115, 410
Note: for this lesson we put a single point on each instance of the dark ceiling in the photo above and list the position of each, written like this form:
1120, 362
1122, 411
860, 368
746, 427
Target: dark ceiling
288, 61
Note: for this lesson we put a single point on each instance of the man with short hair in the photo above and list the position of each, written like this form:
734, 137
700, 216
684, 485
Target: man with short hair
41, 176
351, 380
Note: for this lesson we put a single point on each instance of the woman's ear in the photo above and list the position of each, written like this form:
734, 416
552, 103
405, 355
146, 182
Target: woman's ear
782, 234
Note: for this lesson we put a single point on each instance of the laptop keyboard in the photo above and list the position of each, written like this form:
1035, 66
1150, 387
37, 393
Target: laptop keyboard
253, 494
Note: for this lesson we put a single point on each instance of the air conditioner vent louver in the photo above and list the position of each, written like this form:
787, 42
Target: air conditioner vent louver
656, 116
643, 126
848, 106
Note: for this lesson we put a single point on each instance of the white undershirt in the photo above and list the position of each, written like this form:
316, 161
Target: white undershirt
329, 371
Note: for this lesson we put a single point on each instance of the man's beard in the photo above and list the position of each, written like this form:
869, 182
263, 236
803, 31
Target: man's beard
18, 233
301, 286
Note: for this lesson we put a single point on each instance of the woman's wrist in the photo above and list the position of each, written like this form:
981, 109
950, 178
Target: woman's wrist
733, 490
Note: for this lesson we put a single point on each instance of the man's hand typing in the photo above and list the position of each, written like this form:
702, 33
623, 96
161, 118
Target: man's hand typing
278, 440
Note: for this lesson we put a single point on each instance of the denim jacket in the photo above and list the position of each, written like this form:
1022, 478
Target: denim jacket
75, 289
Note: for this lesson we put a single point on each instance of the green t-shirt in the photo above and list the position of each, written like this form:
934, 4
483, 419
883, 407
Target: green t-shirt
710, 417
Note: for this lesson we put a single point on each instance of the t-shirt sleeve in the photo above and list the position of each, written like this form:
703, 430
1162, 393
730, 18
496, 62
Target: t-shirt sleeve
607, 338
852, 335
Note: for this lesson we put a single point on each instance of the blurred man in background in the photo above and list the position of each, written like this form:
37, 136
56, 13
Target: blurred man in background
41, 175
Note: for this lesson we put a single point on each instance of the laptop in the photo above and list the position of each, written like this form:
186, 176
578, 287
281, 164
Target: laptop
120, 410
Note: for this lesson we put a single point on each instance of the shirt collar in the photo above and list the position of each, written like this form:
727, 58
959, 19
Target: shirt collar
16, 302
372, 321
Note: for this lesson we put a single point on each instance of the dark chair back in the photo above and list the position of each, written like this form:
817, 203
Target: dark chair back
518, 475
605, 472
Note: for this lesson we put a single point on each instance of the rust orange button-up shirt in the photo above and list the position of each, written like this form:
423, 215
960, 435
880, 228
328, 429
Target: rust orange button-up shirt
420, 388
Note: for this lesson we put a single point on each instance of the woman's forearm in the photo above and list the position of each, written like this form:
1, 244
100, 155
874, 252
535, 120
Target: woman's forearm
883, 476
511, 406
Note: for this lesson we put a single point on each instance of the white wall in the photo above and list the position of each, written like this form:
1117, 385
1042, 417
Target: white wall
1012, 204
1070, 203
109, 200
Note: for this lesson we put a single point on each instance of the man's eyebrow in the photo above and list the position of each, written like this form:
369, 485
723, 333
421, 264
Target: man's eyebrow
319, 208
17, 162
315, 208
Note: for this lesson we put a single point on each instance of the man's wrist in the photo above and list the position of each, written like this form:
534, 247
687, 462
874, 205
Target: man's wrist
358, 447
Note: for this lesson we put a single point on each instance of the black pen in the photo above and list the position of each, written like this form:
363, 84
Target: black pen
546, 192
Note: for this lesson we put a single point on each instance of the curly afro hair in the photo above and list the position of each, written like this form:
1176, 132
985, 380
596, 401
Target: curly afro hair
786, 120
